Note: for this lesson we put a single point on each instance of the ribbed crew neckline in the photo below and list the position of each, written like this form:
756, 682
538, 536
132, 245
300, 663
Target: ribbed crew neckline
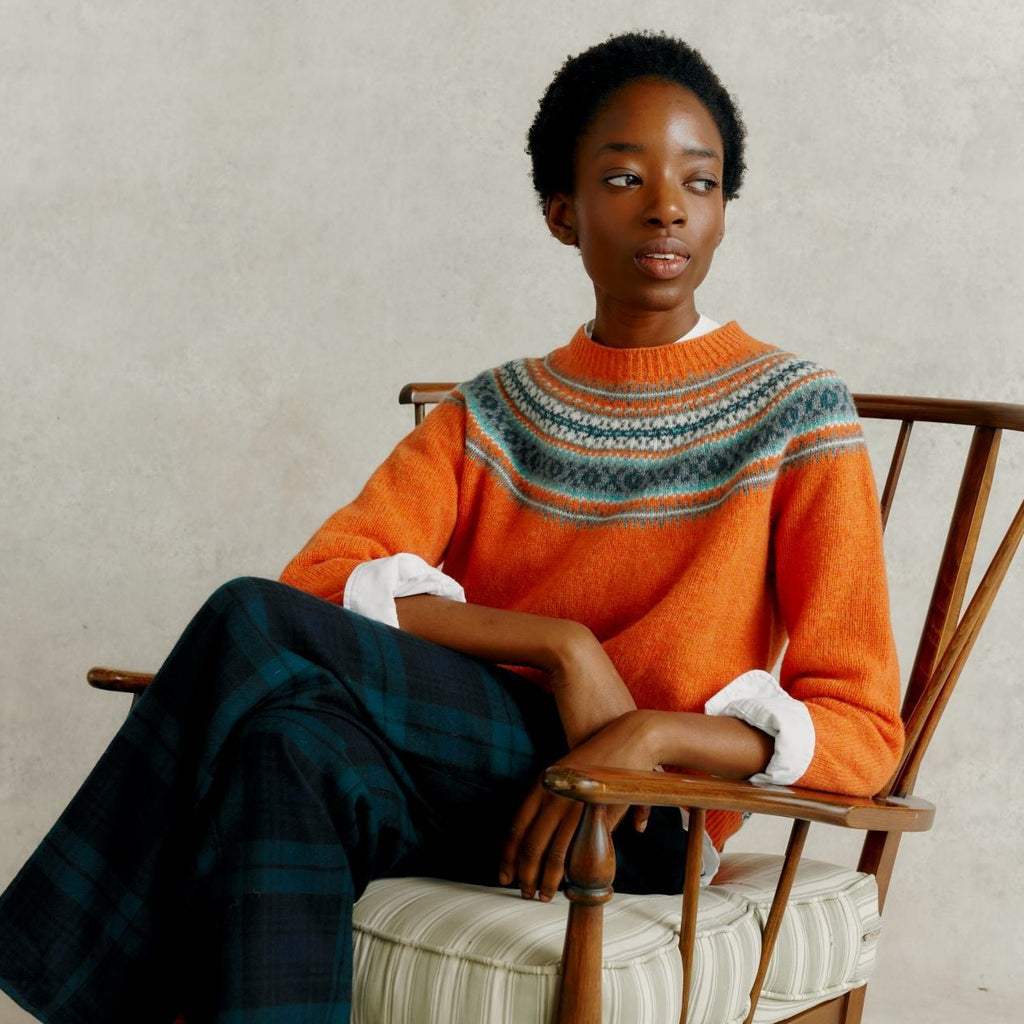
586, 359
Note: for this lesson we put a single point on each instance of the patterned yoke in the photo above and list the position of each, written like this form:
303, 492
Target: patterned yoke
287, 753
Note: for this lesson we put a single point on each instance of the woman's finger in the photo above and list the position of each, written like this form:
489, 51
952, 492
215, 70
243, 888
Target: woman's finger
536, 843
521, 823
558, 851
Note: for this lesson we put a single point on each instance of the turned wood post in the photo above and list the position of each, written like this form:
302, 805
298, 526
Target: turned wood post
590, 872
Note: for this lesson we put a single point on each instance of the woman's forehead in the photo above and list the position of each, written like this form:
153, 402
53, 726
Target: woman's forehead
646, 108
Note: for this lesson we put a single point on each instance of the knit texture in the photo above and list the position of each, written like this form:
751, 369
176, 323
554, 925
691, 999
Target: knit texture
695, 505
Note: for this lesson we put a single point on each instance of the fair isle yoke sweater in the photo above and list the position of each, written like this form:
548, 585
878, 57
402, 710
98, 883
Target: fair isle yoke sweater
695, 505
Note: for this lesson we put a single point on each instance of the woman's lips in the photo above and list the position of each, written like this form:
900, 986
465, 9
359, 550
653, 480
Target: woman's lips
662, 267
662, 258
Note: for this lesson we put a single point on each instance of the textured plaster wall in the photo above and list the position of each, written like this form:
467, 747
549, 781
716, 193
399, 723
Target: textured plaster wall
229, 232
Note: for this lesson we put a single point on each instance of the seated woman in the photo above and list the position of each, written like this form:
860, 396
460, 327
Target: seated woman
593, 557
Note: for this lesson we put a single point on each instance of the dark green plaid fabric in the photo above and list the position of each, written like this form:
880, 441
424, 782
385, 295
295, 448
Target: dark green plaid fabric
287, 753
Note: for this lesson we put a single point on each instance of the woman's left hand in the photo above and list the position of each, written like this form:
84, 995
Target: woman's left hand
538, 842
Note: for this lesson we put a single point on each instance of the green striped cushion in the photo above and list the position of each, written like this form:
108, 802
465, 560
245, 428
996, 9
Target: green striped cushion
433, 952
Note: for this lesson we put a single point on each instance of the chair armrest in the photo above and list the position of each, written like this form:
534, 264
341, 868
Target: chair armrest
670, 789
119, 680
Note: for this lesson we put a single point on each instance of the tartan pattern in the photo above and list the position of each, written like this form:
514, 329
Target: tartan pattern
205, 844
287, 753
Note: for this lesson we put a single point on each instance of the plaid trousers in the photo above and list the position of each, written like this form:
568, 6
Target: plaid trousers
287, 753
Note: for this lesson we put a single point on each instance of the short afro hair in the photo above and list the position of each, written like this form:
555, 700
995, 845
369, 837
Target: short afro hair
585, 82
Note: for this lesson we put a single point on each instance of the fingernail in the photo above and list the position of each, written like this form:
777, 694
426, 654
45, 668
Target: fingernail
504, 877
642, 827
527, 895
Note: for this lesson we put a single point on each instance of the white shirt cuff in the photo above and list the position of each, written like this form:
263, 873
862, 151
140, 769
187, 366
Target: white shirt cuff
372, 587
757, 699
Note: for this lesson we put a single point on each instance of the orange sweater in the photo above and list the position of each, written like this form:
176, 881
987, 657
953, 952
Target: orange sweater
694, 505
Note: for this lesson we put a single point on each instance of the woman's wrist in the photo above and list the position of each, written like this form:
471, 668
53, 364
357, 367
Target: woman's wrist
588, 690
726, 747
569, 646
656, 728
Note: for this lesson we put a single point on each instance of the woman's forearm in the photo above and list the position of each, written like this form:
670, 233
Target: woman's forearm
506, 637
722, 746
588, 690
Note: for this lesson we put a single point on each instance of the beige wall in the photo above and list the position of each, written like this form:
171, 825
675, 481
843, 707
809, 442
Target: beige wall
229, 232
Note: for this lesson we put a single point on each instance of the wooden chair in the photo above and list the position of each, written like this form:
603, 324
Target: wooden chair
947, 638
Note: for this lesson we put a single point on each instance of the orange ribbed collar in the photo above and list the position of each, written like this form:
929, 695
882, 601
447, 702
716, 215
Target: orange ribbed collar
585, 359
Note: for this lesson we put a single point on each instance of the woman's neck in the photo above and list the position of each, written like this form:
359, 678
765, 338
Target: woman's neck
617, 328
704, 325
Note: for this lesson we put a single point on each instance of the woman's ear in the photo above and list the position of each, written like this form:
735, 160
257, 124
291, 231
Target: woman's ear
560, 214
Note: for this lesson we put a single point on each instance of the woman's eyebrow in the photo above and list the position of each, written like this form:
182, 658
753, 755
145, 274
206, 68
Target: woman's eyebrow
620, 147
636, 147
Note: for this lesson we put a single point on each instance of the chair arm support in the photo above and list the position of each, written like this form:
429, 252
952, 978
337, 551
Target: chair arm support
670, 789
119, 680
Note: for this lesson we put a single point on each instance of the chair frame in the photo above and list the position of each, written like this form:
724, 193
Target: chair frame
945, 645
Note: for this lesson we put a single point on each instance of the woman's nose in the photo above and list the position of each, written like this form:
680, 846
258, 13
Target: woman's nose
666, 205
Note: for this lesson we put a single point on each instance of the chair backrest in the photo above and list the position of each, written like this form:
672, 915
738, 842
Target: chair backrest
949, 631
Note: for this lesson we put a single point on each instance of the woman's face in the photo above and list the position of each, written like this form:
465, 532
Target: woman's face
647, 211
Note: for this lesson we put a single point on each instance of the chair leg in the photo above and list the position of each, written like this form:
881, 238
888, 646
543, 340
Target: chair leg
797, 837
691, 899
855, 1005
590, 872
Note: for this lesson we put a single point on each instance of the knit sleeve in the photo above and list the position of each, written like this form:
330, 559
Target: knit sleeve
830, 580
408, 505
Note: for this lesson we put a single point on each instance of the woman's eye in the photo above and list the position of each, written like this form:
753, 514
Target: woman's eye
623, 180
703, 184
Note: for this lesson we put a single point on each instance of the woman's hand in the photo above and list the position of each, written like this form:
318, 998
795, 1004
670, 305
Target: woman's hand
538, 842
592, 700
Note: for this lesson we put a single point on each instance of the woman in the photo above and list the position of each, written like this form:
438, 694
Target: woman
594, 557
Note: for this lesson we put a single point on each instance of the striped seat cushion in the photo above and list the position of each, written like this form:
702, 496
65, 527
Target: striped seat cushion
829, 936
433, 952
